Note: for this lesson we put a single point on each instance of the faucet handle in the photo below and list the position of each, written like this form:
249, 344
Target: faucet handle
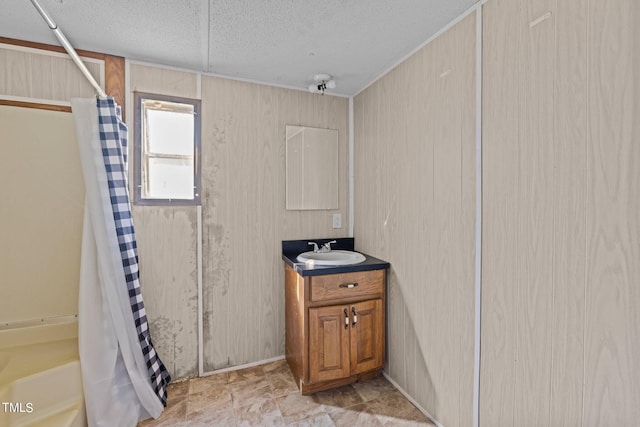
315, 246
327, 246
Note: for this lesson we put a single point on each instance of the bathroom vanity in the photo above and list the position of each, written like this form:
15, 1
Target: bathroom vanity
335, 317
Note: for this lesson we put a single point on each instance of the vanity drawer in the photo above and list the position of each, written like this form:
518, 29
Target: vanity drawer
347, 285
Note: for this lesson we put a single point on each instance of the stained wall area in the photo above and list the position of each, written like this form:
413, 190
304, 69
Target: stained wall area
243, 221
167, 244
244, 216
415, 207
560, 242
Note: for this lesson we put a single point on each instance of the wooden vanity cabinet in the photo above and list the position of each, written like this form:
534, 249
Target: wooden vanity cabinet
334, 327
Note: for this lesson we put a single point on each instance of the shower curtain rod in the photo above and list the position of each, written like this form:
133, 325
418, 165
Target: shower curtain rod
70, 50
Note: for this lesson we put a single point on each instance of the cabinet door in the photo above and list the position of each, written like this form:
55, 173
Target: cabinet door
329, 343
367, 344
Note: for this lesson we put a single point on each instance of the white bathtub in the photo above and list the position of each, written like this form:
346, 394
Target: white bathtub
40, 378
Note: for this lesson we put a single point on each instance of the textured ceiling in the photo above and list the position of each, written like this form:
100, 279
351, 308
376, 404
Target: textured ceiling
283, 42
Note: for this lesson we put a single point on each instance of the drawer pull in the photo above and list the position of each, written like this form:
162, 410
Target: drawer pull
348, 285
346, 319
355, 317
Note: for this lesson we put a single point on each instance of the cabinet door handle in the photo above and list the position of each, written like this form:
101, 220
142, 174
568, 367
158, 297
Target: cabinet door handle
348, 285
346, 319
355, 317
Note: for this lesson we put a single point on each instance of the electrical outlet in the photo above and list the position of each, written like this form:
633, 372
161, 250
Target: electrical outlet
337, 220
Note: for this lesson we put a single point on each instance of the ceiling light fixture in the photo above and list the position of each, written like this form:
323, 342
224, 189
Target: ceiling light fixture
322, 83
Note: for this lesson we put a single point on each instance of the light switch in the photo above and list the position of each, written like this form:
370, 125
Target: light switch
337, 220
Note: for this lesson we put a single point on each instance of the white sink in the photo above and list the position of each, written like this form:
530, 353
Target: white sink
336, 257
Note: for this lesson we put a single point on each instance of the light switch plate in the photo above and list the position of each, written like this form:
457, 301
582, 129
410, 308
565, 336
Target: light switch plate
337, 220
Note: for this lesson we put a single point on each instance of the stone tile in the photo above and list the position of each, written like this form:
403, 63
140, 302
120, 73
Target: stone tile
147, 423
177, 391
349, 418
414, 414
250, 392
268, 396
259, 414
321, 420
224, 418
392, 405
198, 385
277, 367
342, 397
213, 399
374, 388
295, 407
401, 422
282, 383
246, 374
172, 415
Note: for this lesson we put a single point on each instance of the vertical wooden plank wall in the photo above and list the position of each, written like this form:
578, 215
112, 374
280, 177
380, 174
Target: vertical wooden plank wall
30, 73
612, 306
499, 235
244, 216
167, 239
415, 207
560, 337
569, 221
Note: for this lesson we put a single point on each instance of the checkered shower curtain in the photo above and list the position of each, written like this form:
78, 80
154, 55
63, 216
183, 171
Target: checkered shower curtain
113, 140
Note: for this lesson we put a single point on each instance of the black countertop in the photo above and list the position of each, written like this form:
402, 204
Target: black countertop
292, 248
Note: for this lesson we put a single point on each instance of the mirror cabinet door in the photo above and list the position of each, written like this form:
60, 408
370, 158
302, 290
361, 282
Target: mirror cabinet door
312, 168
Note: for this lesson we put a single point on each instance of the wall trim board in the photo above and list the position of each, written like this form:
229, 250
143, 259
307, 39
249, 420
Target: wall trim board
223, 76
200, 304
478, 235
410, 399
351, 167
50, 48
40, 104
112, 73
199, 262
53, 53
238, 367
128, 100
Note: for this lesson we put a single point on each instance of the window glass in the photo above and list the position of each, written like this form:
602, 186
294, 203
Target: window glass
167, 146
170, 132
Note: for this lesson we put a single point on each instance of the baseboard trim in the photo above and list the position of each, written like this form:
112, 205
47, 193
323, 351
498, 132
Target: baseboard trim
410, 399
238, 367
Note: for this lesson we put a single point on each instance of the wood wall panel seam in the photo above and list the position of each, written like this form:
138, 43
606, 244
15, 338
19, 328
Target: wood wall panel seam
410, 135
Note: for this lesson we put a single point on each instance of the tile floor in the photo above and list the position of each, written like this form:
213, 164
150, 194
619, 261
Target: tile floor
267, 395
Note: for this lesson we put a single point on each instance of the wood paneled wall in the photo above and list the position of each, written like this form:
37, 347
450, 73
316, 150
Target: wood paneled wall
244, 222
42, 75
415, 207
561, 194
167, 245
244, 216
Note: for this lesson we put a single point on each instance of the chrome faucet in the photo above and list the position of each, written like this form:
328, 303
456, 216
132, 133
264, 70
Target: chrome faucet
315, 247
327, 246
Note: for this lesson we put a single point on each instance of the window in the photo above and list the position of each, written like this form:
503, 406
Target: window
167, 150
